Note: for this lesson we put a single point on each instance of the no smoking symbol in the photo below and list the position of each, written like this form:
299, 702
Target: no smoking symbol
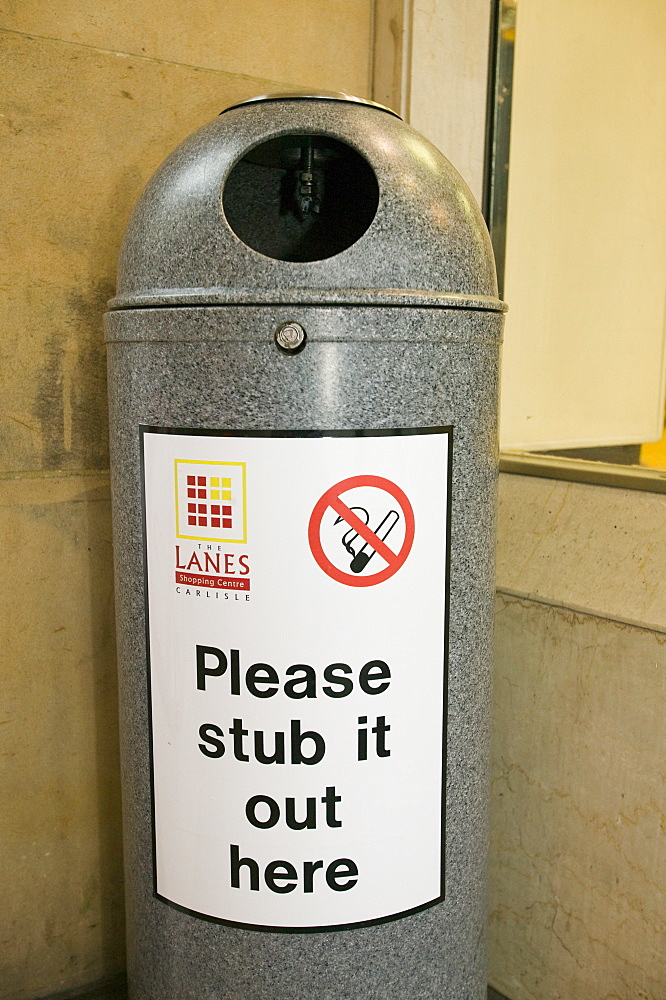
364, 539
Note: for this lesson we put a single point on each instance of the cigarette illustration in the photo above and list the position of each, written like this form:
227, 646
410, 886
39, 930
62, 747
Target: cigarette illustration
362, 556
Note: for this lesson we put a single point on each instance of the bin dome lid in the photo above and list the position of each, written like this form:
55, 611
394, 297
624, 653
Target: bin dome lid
307, 95
425, 244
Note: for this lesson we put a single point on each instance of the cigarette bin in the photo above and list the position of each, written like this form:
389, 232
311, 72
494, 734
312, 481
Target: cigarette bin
303, 363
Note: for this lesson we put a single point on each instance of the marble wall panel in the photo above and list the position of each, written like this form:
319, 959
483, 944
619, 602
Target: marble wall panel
596, 549
578, 857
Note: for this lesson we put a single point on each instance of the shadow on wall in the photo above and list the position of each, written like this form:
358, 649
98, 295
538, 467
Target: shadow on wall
107, 764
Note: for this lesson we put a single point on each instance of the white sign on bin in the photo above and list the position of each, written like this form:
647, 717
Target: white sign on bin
296, 596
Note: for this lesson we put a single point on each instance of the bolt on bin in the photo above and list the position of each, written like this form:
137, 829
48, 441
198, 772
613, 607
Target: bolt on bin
303, 367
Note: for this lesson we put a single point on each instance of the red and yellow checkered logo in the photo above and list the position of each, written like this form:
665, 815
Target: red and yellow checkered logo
210, 501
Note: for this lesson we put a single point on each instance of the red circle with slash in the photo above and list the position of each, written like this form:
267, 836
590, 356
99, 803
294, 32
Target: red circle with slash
332, 499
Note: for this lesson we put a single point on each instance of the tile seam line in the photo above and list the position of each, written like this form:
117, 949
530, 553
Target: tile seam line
30, 35
580, 609
11, 477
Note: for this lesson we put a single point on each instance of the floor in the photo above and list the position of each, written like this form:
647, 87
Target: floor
116, 989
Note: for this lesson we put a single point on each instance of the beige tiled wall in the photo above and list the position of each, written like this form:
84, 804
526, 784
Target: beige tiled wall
578, 855
61, 915
93, 97
323, 44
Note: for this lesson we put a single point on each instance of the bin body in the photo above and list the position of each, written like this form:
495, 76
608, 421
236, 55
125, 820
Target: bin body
403, 331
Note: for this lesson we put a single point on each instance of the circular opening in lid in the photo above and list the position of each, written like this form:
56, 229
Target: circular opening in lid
300, 197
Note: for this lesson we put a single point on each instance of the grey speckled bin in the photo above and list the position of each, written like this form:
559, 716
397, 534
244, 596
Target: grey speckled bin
403, 330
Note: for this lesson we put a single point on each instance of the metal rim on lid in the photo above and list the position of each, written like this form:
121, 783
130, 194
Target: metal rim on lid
323, 95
